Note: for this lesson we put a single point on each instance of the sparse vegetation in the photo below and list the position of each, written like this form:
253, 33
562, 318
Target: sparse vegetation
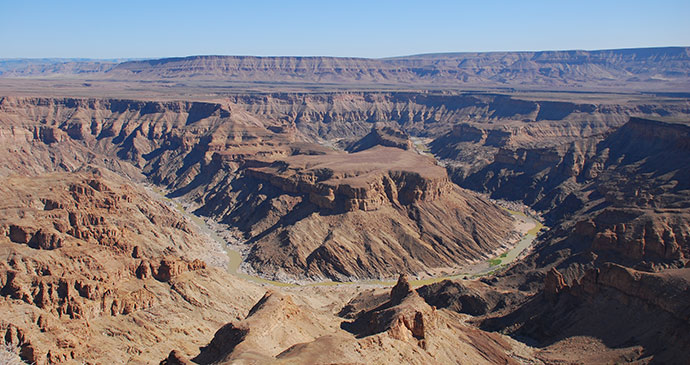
494, 262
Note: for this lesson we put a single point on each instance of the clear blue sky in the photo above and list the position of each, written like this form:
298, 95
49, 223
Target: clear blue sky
373, 28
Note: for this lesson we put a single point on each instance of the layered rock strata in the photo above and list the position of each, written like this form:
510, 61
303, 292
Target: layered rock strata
98, 268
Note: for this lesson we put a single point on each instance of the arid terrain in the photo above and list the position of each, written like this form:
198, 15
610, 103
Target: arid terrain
299, 210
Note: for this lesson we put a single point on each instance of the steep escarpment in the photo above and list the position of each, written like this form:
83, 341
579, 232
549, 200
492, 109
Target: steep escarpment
341, 115
95, 260
617, 204
622, 198
304, 199
633, 315
643, 196
643, 68
235, 156
616, 253
325, 116
91, 257
640, 164
362, 180
470, 150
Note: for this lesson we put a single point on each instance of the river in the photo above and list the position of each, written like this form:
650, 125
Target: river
531, 225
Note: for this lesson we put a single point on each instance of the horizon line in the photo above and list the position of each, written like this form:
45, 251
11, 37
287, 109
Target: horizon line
128, 59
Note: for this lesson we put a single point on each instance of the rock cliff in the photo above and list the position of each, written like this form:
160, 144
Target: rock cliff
88, 256
637, 316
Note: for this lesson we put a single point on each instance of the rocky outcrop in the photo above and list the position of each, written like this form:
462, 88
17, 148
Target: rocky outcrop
85, 249
554, 283
284, 328
223, 343
470, 297
400, 290
638, 234
167, 268
404, 316
175, 358
274, 323
667, 292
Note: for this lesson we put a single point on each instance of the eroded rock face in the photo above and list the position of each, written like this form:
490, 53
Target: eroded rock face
475, 298
405, 316
626, 202
236, 157
359, 215
209, 152
665, 291
614, 304
358, 181
307, 218
553, 284
83, 250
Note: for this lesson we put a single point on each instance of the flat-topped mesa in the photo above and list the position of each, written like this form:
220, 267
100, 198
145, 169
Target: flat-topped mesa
358, 181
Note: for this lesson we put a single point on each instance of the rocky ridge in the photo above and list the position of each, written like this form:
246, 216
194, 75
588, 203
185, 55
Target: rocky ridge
409, 329
639, 68
646, 316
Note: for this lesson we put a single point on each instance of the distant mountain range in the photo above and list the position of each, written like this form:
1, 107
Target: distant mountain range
640, 69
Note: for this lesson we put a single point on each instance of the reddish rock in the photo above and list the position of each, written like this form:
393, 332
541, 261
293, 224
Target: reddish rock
170, 267
20, 234
135, 252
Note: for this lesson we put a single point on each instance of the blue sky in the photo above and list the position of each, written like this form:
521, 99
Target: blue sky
153, 29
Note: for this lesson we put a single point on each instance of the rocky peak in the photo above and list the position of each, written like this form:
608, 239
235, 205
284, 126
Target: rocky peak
383, 135
400, 290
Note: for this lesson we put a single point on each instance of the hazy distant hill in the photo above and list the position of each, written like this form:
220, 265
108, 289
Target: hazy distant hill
644, 68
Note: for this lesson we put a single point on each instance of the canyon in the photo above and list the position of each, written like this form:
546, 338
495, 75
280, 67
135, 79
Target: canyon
331, 179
